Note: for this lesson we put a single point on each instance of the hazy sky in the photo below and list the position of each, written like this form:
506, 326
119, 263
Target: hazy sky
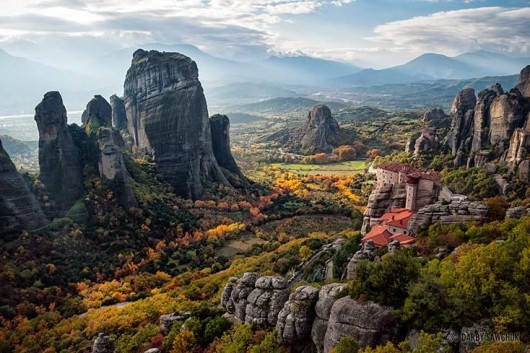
372, 33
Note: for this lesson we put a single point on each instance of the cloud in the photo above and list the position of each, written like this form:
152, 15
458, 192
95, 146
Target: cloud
229, 26
495, 29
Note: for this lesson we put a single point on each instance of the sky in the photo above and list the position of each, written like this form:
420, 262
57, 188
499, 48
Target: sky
370, 33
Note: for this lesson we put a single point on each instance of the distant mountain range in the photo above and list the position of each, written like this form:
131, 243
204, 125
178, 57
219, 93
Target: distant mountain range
436, 66
227, 82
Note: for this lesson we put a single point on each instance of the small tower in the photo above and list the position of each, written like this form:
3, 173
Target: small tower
412, 192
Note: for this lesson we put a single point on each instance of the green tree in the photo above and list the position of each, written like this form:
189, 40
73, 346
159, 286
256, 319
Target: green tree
346, 345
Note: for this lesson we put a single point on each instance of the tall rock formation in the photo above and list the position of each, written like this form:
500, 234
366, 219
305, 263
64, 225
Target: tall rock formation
434, 123
61, 168
168, 117
220, 129
119, 116
460, 135
112, 167
19, 208
524, 82
98, 108
494, 126
320, 132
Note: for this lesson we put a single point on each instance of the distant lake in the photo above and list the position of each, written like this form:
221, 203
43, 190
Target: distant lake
23, 126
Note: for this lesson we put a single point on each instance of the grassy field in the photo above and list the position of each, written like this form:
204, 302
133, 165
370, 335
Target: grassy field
240, 246
342, 168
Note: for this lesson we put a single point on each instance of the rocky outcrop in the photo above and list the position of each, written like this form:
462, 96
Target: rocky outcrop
61, 168
517, 150
306, 315
103, 344
461, 132
98, 108
167, 320
454, 212
524, 82
255, 300
320, 132
434, 124
507, 114
366, 252
220, 129
19, 208
482, 118
369, 323
295, 320
112, 168
119, 116
383, 198
168, 118
517, 212
326, 298
491, 127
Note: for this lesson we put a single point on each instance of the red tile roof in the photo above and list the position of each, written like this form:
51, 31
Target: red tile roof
397, 217
379, 235
403, 238
410, 171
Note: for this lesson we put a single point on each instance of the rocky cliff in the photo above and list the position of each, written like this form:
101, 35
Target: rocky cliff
112, 167
119, 116
98, 108
492, 126
383, 198
433, 130
320, 132
168, 118
220, 129
19, 208
61, 168
454, 212
306, 316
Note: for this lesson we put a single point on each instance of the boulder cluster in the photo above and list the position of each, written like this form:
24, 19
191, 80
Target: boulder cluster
307, 315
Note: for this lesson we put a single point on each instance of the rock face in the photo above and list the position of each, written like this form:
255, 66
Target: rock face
19, 208
220, 129
383, 198
103, 344
61, 168
494, 126
459, 138
326, 298
369, 323
320, 132
112, 167
524, 82
434, 123
295, 320
253, 299
119, 116
454, 212
168, 117
98, 108
366, 252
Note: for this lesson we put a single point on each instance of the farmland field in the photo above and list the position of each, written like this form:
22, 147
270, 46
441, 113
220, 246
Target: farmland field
342, 168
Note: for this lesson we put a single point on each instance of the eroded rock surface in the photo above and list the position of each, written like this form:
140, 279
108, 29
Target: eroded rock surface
454, 212
295, 320
220, 129
112, 167
61, 168
434, 124
98, 108
326, 298
369, 323
103, 344
119, 116
19, 208
168, 118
